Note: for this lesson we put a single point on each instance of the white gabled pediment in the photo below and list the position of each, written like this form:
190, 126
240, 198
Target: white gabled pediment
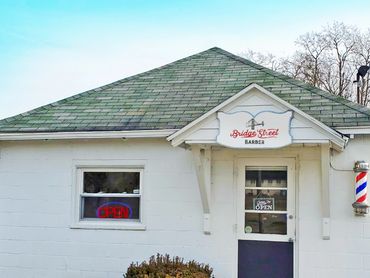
253, 100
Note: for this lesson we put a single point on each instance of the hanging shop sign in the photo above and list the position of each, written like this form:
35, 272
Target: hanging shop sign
114, 210
263, 204
266, 129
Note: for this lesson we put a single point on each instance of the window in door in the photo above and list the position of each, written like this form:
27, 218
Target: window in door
266, 193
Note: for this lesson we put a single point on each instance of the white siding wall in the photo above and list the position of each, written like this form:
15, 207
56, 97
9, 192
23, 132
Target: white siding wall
35, 211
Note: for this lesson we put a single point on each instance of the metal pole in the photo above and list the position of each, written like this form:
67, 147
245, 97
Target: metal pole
358, 88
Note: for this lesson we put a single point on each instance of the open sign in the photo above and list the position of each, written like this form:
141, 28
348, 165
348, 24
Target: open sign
264, 204
114, 210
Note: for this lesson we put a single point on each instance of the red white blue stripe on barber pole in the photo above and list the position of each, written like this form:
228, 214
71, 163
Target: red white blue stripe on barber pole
361, 187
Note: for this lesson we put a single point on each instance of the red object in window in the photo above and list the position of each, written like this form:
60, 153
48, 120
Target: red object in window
114, 210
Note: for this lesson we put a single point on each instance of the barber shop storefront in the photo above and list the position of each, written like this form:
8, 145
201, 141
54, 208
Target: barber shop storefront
267, 150
211, 158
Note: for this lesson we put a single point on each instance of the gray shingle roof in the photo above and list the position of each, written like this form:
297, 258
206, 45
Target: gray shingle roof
172, 96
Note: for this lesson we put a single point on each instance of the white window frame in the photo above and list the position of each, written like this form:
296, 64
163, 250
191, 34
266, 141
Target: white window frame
266, 162
79, 222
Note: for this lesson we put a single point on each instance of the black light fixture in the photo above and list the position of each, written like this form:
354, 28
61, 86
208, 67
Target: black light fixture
362, 71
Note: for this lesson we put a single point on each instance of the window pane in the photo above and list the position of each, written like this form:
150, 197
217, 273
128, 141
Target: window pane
265, 223
266, 177
266, 200
111, 207
112, 182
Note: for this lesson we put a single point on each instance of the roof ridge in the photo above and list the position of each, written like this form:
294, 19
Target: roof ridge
359, 108
100, 88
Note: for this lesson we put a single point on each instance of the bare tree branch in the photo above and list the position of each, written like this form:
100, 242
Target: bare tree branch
328, 59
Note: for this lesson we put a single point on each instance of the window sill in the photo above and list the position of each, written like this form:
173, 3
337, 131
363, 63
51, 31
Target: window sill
95, 225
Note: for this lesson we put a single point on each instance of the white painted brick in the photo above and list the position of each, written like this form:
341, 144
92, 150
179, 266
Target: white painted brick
42, 262
15, 272
49, 206
35, 179
337, 273
103, 274
47, 273
112, 275
171, 180
187, 194
39, 193
347, 229
10, 260
23, 219
14, 247
306, 272
309, 190
164, 166
366, 230
35, 203
345, 261
366, 259
100, 264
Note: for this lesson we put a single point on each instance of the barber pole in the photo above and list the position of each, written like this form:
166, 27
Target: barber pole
361, 187
360, 205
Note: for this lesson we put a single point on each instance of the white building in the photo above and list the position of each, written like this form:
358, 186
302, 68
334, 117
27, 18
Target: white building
212, 158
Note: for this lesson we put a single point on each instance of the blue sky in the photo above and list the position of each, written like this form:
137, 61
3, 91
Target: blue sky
53, 49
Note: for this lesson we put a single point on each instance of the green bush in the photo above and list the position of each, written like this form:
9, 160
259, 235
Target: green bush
162, 266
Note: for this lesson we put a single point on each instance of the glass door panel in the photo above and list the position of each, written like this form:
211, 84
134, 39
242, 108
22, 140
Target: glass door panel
265, 203
266, 199
266, 223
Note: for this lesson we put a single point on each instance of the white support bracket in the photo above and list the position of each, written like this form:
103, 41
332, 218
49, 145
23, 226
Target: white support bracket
202, 162
325, 190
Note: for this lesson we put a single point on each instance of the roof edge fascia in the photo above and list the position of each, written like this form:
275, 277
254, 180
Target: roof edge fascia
354, 130
161, 133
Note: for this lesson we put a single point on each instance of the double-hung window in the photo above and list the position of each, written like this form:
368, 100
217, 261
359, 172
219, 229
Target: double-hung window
109, 196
